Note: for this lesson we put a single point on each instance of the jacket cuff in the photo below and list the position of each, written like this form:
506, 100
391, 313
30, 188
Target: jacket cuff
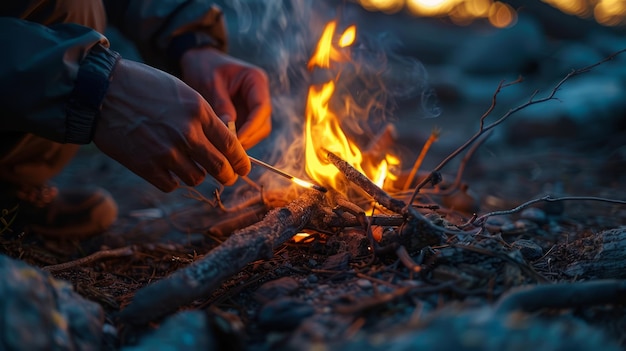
91, 85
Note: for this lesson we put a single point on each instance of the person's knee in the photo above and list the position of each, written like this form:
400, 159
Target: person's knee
34, 160
89, 13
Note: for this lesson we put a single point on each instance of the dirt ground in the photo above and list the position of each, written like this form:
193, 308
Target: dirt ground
338, 289
332, 289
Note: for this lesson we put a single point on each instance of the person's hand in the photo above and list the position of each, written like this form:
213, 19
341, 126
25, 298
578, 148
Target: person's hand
161, 129
236, 90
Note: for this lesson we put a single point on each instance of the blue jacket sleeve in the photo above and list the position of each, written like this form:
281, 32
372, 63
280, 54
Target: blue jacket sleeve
52, 79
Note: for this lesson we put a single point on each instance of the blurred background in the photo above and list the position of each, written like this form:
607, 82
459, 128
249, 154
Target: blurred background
435, 64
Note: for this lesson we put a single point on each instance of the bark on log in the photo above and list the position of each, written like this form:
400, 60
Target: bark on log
608, 262
364, 183
201, 277
358, 178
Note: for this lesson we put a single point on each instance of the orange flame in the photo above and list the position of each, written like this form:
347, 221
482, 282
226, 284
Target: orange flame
323, 127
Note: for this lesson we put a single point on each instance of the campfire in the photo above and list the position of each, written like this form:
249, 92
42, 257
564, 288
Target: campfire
357, 244
335, 161
323, 131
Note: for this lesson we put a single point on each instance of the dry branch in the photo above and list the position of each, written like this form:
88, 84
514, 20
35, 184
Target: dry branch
100, 255
201, 277
531, 101
395, 205
566, 295
367, 185
479, 221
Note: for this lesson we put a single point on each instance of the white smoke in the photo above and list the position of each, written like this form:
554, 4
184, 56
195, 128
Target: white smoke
280, 36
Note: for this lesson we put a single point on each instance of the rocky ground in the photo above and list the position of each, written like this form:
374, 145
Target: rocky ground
549, 276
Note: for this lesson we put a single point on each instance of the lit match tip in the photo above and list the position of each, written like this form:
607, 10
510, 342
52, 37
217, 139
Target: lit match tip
298, 181
306, 184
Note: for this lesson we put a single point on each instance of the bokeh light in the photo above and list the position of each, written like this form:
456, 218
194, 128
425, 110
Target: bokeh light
499, 14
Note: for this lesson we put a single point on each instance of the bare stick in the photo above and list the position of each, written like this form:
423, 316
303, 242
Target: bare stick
478, 221
459, 174
100, 255
434, 135
406, 260
531, 101
366, 184
199, 279
482, 129
395, 205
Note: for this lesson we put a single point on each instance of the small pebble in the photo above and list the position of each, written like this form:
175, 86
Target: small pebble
521, 226
312, 278
276, 288
284, 314
337, 262
494, 224
364, 284
529, 249
534, 214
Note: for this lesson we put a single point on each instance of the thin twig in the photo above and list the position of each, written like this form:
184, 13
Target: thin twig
100, 255
479, 221
531, 101
381, 196
407, 261
434, 136
459, 174
482, 129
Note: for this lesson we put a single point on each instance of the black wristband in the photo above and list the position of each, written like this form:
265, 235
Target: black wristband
90, 87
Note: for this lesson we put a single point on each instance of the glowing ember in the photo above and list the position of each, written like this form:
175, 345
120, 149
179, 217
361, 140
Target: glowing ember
323, 127
300, 237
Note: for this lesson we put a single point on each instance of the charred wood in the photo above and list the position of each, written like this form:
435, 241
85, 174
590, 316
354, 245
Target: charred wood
199, 279
609, 261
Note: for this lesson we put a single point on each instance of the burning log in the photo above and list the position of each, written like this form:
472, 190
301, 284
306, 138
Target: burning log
367, 185
395, 205
198, 280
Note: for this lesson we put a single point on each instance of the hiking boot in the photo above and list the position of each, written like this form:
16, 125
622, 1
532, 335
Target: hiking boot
74, 213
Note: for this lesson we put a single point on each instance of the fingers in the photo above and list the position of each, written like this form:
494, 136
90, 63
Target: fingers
257, 124
220, 101
187, 170
226, 152
256, 128
160, 178
220, 153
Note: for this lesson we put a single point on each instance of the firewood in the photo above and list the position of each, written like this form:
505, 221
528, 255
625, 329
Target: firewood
609, 260
395, 205
367, 185
199, 279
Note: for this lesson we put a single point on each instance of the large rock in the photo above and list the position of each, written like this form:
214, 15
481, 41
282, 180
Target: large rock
183, 331
38, 312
